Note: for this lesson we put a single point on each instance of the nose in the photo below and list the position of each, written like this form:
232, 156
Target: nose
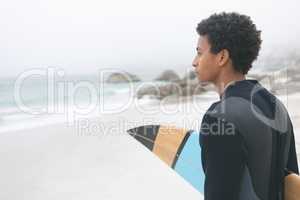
195, 62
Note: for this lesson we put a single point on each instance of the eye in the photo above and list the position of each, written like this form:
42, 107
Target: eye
199, 53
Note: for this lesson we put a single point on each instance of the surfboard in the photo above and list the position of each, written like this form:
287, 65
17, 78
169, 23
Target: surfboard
178, 148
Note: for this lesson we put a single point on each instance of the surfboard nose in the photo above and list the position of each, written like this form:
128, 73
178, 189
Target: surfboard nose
164, 141
145, 135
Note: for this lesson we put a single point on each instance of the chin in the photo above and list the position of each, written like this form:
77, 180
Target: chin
203, 81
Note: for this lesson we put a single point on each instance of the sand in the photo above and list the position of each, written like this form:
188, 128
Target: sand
95, 158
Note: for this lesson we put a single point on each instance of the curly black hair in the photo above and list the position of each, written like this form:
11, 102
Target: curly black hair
236, 33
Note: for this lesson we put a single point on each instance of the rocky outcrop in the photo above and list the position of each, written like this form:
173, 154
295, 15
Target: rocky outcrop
191, 75
168, 75
187, 86
283, 81
122, 77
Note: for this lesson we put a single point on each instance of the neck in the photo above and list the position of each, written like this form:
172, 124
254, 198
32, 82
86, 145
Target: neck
225, 80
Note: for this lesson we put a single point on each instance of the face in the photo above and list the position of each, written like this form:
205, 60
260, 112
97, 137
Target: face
205, 62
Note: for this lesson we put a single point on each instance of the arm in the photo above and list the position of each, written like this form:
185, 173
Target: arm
222, 158
292, 164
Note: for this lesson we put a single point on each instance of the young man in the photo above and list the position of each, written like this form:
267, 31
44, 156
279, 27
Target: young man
247, 137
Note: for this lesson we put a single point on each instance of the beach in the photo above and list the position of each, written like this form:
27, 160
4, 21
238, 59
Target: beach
94, 158
58, 161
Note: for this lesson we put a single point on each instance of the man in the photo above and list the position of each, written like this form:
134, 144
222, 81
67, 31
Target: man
247, 137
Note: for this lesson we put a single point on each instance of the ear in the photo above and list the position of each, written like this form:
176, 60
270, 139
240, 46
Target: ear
223, 57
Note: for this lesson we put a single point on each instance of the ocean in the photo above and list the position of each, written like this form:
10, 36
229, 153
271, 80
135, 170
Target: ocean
37, 101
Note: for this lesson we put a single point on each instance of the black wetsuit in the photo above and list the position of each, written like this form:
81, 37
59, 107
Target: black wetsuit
247, 143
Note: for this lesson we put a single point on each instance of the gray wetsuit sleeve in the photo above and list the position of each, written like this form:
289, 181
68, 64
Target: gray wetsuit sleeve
222, 159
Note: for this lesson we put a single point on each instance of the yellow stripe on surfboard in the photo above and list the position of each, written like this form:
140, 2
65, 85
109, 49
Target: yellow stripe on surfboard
169, 138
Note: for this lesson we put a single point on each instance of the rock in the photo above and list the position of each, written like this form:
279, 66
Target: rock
294, 73
159, 91
192, 86
124, 77
188, 86
192, 89
168, 75
191, 79
191, 75
281, 81
169, 90
152, 91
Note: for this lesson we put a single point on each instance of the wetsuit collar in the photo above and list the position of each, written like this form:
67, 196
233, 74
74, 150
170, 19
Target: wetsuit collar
235, 83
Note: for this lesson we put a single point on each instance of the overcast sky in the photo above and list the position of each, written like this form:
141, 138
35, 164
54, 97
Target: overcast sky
82, 36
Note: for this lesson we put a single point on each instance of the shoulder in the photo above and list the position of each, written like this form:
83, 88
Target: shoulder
229, 110
215, 122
